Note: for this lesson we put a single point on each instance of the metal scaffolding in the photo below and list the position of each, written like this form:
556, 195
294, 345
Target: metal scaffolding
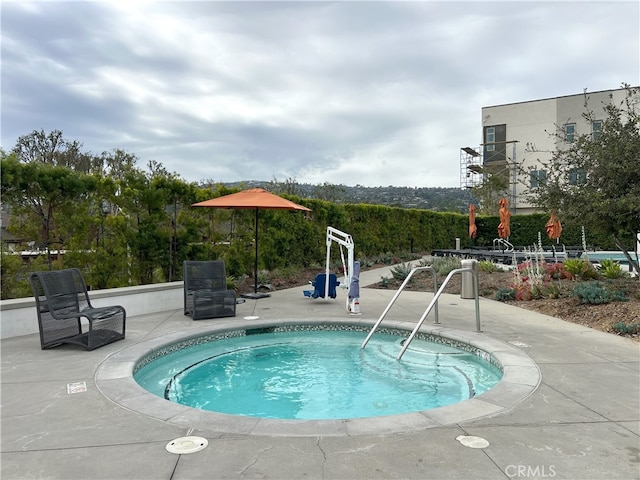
490, 159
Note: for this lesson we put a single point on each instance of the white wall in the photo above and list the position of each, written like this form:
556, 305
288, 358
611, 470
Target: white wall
533, 125
18, 317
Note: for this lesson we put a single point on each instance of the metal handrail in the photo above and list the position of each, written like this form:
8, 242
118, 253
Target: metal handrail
474, 273
395, 297
506, 245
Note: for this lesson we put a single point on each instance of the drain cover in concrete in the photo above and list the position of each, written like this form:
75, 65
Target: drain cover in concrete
187, 445
77, 387
472, 442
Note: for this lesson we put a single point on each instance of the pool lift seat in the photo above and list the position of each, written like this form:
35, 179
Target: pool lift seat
319, 286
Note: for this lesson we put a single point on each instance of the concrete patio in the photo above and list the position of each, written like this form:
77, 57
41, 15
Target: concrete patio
580, 421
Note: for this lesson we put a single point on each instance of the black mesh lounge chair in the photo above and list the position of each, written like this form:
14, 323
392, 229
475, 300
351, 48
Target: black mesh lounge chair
205, 290
62, 301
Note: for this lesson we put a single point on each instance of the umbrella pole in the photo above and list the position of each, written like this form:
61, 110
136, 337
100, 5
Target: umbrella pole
255, 295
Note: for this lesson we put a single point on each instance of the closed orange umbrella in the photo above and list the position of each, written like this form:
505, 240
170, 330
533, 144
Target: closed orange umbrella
473, 230
553, 227
504, 230
253, 198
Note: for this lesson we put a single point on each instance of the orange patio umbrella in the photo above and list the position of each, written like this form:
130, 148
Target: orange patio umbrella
553, 227
473, 230
504, 230
254, 199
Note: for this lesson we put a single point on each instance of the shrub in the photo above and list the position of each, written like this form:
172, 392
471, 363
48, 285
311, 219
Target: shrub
556, 271
550, 290
574, 266
611, 269
578, 267
385, 258
292, 272
524, 292
401, 271
232, 283
423, 263
528, 279
367, 262
626, 328
597, 293
487, 266
505, 294
385, 282
263, 277
408, 256
444, 265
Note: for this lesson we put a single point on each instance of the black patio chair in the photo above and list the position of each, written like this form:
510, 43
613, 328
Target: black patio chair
205, 290
62, 302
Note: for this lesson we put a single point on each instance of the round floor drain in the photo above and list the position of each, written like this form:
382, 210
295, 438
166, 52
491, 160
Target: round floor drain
187, 445
472, 442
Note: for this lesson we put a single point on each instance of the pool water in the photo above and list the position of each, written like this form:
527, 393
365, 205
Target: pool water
317, 375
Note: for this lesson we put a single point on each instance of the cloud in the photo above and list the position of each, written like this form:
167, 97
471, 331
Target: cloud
370, 93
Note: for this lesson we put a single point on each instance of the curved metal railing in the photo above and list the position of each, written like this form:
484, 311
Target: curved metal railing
395, 297
432, 305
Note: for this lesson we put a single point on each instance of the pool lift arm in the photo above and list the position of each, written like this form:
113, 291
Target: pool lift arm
344, 240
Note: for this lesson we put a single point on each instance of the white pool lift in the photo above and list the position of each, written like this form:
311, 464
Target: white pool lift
350, 280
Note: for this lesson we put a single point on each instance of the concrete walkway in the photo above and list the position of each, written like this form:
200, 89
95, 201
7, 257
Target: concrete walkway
582, 421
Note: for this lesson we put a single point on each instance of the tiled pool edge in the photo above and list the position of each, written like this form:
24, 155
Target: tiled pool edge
114, 378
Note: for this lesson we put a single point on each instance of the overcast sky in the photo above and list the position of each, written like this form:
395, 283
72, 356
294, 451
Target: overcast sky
371, 93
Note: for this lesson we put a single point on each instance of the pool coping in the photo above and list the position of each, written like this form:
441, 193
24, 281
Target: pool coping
521, 377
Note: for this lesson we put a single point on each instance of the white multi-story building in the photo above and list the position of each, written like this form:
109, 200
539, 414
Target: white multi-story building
518, 139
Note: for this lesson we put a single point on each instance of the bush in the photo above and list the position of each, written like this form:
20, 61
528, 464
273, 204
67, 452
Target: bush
505, 294
556, 271
550, 290
401, 271
574, 266
626, 328
611, 269
578, 267
444, 265
385, 258
487, 266
597, 293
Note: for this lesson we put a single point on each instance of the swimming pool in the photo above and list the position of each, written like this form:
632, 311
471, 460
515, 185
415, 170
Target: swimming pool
318, 374
114, 379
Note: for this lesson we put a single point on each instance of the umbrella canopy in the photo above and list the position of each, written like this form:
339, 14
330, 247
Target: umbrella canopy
504, 230
473, 230
256, 199
252, 199
553, 227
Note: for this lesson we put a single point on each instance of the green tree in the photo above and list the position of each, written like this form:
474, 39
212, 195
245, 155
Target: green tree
494, 186
289, 186
47, 202
329, 192
52, 149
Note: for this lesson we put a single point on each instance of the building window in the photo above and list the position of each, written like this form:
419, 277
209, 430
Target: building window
596, 128
569, 132
537, 178
490, 139
577, 176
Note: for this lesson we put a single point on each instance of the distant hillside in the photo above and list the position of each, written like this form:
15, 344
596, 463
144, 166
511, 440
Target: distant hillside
445, 199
